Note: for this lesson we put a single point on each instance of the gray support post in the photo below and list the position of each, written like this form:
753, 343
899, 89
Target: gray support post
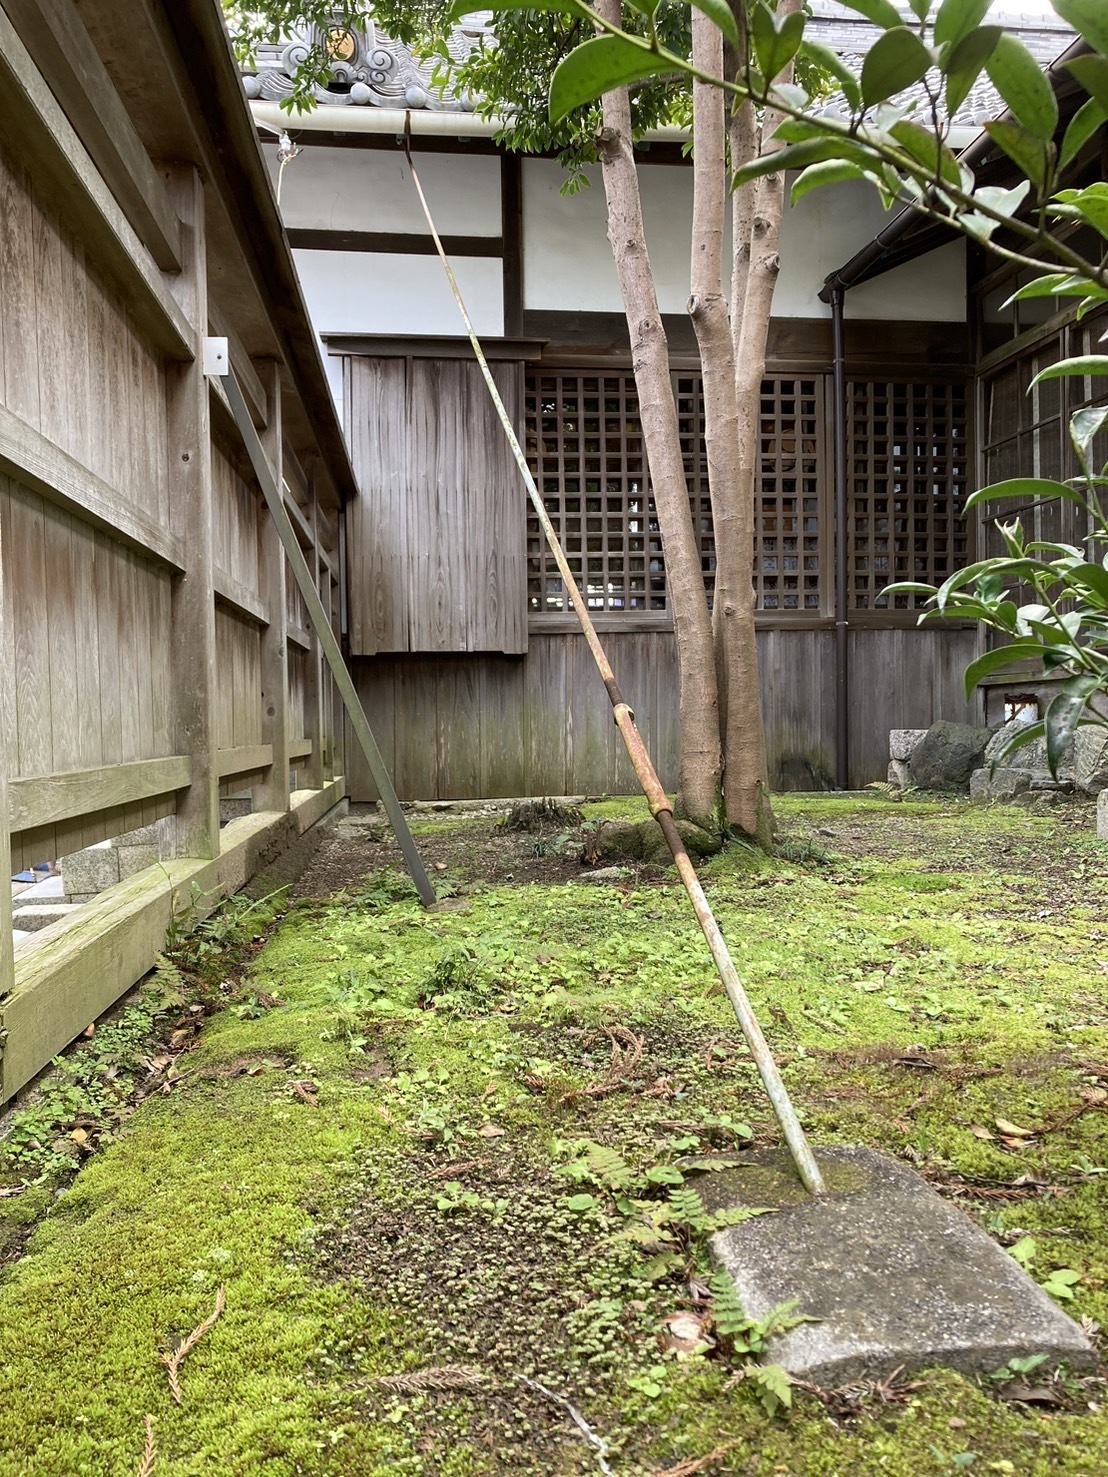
7, 747
190, 485
321, 620
273, 792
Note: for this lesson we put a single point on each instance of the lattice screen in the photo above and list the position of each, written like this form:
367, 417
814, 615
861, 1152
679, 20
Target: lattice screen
908, 461
584, 444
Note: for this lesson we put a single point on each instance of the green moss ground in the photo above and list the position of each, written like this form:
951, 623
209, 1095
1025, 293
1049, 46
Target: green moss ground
375, 1228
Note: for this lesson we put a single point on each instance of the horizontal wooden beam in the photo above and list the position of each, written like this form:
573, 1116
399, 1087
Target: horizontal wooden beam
244, 760
300, 523
300, 749
394, 243
238, 598
50, 145
44, 800
394, 346
63, 51
39, 464
298, 636
252, 386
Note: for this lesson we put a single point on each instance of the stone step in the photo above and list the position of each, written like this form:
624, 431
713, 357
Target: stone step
41, 915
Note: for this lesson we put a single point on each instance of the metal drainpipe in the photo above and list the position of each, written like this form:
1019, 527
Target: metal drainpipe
842, 652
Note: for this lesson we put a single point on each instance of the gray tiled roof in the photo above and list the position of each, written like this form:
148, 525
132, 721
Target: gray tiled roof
383, 73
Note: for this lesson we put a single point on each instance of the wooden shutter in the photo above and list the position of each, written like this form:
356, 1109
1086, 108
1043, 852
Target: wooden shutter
437, 535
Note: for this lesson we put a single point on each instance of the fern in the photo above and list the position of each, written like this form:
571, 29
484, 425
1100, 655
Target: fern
169, 987
728, 1313
773, 1385
607, 1168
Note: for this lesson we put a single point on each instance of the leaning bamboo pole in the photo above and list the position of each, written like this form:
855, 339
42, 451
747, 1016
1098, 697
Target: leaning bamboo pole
661, 807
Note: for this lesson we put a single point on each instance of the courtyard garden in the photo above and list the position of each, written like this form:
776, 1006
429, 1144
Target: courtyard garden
353, 1188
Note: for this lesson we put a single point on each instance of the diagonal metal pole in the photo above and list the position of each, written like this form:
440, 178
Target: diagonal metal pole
331, 650
659, 801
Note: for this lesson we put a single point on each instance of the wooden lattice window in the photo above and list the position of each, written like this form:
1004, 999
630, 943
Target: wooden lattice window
585, 447
908, 461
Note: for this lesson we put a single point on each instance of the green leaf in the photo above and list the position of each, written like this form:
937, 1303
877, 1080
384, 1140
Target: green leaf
829, 61
896, 60
927, 150
881, 12
1082, 126
962, 64
1024, 148
1092, 73
599, 66
1091, 203
773, 1384
1094, 364
1035, 488
1056, 284
1092, 579
581, 1203
1020, 80
461, 8
1064, 714
920, 8
799, 156
830, 172
997, 659
956, 18
724, 17
1089, 18
1084, 425
776, 42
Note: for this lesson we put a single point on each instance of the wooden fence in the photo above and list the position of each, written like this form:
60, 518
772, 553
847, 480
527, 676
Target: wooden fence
155, 653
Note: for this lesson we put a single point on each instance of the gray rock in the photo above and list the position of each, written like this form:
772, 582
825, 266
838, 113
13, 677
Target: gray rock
1102, 816
947, 755
902, 741
1031, 756
1090, 760
41, 915
899, 774
979, 787
605, 876
1006, 784
897, 1277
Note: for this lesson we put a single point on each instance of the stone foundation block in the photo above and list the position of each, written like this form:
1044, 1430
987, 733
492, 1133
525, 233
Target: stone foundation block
902, 741
1102, 816
89, 872
30, 920
898, 773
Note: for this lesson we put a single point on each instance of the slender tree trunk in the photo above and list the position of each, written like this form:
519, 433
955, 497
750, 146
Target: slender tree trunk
756, 216
699, 765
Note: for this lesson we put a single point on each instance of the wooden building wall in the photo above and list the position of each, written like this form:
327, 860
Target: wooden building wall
150, 657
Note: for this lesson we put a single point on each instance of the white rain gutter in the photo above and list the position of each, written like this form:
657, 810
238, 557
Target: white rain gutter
352, 118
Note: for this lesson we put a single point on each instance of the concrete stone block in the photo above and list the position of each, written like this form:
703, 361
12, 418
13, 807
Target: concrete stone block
234, 809
41, 915
1102, 816
1006, 784
144, 836
899, 774
90, 871
902, 741
1090, 759
897, 1277
134, 859
979, 791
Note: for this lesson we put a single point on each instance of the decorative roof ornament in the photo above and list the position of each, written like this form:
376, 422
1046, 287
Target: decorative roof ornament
369, 69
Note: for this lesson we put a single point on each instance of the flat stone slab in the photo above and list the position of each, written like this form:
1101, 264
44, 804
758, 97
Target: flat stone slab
41, 915
898, 1277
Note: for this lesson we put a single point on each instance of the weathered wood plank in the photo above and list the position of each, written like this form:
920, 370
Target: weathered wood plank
377, 529
35, 117
8, 747
17, 291
43, 799
27, 575
191, 485
244, 759
44, 466
273, 792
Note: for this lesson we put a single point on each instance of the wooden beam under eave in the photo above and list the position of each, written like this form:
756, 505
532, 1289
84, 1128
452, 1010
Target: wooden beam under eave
54, 153
63, 51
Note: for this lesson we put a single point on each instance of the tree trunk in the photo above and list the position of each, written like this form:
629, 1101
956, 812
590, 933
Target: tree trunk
699, 763
756, 214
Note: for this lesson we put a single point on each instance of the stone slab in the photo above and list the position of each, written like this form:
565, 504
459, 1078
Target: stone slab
902, 741
50, 889
41, 915
898, 1277
1102, 816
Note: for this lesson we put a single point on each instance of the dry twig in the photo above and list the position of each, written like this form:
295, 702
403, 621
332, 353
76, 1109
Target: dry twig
598, 1444
438, 1377
693, 1464
174, 1361
149, 1451
627, 1050
456, 1166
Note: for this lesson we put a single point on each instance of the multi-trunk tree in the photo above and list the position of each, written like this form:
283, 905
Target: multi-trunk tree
722, 759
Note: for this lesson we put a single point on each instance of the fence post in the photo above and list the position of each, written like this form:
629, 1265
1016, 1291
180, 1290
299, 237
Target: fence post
7, 746
273, 792
190, 479
319, 765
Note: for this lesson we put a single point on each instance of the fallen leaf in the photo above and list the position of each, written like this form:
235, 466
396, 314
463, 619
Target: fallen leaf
981, 1133
1095, 1095
1012, 1130
89, 1031
8, 1190
956, 1423
685, 1335
1030, 1394
439, 866
79, 1137
306, 1092
490, 1131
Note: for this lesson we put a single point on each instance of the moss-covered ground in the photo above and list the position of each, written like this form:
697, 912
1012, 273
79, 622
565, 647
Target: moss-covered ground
369, 1129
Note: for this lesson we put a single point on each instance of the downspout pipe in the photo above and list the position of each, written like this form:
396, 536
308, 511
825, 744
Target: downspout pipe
842, 648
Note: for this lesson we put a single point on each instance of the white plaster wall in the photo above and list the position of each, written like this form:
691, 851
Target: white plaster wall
325, 189
568, 264
354, 292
